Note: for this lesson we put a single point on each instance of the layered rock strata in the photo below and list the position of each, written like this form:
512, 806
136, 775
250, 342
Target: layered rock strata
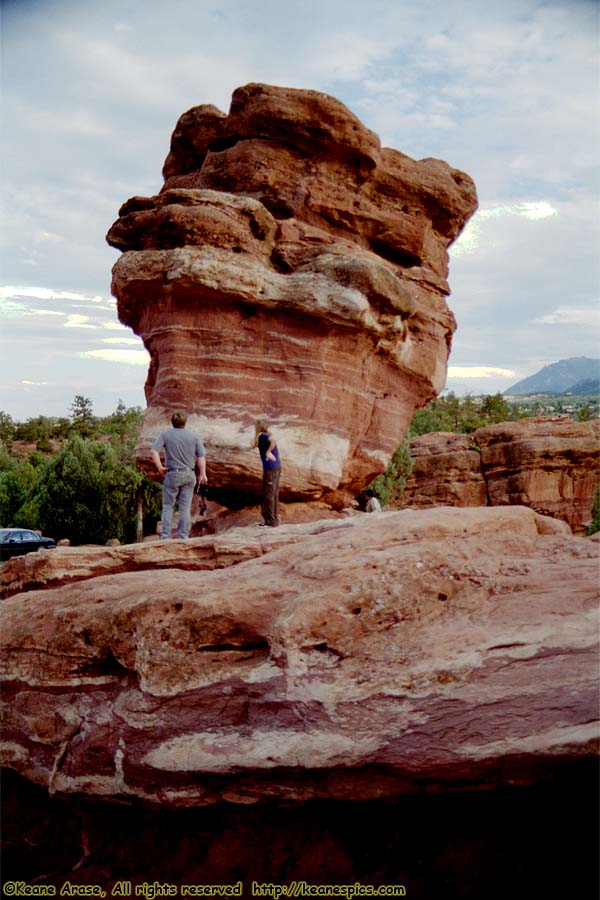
290, 267
446, 472
551, 466
359, 659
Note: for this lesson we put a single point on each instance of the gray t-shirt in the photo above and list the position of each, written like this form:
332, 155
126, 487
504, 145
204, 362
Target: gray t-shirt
181, 448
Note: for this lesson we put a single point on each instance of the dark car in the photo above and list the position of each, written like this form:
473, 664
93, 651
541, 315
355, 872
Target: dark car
18, 541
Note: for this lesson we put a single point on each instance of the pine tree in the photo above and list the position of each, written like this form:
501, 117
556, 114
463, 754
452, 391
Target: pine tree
82, 415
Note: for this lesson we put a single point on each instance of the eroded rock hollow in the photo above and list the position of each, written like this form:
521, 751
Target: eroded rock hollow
290, 267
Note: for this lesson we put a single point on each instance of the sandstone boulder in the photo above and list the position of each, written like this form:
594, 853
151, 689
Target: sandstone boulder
290, 267
357, 659
553, 467
446, 472
550, 465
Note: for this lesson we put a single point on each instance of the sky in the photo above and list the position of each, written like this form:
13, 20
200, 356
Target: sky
91, 92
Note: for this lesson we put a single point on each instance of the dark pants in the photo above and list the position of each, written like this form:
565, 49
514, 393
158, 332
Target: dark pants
270, 496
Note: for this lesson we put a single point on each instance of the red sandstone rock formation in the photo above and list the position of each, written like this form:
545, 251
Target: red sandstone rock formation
350, 660
291, 267
446, 472
551, 466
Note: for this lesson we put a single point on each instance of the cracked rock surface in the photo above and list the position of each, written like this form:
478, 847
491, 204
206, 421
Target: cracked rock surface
344, 659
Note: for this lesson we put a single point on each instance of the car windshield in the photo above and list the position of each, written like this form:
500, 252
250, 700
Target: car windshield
17, 534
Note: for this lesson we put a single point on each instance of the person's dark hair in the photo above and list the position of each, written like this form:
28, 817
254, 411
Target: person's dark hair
178, 419
369, 493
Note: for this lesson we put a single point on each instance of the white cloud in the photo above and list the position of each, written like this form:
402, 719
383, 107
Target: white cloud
588, 316
49, 236
37, 383
77, 321
123, 340
478, 231
348, 54
14, 310
38, 293
129, 357
479, 372
540, 209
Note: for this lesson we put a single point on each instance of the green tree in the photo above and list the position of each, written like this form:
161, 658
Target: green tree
16, 482
43, 444
87, 493
11, 498
495, 409
470, 415
123, 425
594, 524
62, 428
390, 485
7, 428
433, 417
82, 416
36, 428
584, 414
68, 493
450, 413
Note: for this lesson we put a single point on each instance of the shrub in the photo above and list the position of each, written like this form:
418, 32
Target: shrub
389, 486
594, 524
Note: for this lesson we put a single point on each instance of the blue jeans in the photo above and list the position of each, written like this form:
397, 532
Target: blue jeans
177, 487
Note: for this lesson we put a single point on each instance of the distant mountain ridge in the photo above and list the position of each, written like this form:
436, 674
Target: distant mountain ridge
587, 386
578, 374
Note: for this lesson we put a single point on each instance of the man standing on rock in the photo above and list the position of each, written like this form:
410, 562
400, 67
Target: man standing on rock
184, 455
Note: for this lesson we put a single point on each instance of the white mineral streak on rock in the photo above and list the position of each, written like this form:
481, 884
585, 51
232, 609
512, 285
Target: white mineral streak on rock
12, 754
225, 751
554, 741
311, 456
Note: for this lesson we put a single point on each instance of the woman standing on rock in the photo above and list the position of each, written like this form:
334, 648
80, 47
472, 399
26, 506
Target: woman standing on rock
269, 455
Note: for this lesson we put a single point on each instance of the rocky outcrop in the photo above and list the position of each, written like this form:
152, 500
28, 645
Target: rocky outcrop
290, 267
359, 659
551, 466
446, 472
236, 544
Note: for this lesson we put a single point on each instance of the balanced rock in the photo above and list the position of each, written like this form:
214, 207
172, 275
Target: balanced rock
354, 660
291, 268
